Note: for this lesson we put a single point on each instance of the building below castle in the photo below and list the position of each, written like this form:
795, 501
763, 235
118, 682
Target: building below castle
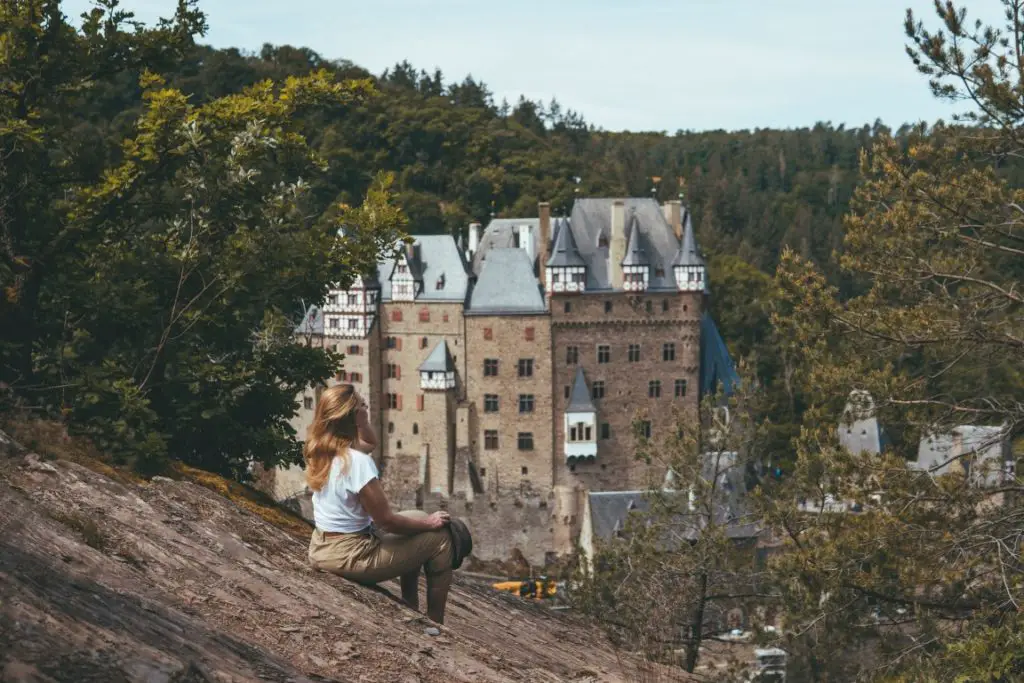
504, 371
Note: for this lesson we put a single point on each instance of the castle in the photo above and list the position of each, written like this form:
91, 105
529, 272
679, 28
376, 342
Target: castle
504, 372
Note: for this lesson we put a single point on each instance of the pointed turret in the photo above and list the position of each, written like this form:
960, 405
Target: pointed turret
437, 372
688, 267
636, 267
566, 271
580, 421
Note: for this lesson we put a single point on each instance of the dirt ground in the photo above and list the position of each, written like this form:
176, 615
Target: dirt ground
104, 579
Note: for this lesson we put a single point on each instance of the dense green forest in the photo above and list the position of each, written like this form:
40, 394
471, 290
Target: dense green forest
459, 156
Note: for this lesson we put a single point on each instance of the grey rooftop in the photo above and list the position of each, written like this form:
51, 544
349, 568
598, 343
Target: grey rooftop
506, 285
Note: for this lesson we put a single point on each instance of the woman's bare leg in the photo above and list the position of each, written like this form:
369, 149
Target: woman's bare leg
411, 588
437, 595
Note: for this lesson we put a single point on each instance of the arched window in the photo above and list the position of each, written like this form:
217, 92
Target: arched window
424, 342
391, 427
415, 428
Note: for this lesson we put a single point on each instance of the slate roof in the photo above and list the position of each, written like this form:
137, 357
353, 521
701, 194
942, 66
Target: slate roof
609, 510
439, 360
434, 255
500, 234
591, 221
565, 252
859, 431
689, 253
312, 322
940, 454
716, 365
579, 397
506, 285
635, 254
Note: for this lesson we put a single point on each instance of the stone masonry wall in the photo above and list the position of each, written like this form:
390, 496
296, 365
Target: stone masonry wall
586, 325
505, 339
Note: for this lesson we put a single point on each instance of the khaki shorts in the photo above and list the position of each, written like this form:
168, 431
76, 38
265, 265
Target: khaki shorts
372, 557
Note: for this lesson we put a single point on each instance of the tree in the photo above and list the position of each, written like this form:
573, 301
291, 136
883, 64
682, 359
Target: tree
928, 579
149, 294
685, 569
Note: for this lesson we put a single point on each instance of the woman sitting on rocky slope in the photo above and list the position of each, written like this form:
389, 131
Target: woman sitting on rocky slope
358, 535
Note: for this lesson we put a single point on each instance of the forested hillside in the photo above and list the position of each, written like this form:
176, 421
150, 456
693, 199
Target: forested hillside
459, 156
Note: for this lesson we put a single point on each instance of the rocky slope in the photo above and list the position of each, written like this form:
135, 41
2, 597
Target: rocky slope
106, 579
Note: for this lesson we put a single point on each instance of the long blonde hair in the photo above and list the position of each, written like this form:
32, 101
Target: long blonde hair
332, 432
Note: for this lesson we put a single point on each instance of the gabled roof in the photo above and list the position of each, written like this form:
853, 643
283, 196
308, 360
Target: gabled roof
635, 253
434, 256
688, 254
501, 233
439, 360
506, 285
579, 397
565, 252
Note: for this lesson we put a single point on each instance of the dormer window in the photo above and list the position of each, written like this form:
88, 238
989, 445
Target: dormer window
401, 269
440, 282
602, 241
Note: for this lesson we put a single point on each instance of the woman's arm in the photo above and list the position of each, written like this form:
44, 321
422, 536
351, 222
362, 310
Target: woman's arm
367, 437
376, 503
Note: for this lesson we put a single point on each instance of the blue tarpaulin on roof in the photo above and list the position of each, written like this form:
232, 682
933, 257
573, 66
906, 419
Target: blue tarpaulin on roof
716, 366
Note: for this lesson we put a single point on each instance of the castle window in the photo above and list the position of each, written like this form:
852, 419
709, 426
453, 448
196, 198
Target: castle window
649, 306
597, 390
602, 241
424, 315
572, 355
525, 403
580, 432
525, 444
396, 315
355, 377
490, 403
393, 401
334, 323
354, 350
645, 429
394, 372
568, 307
353, 299
685, 307
490, 367
664, 305
525, 470
604, 353
424, 342
393, 343
353, 323
488, 334
440, 282
307, 403
680, 388
419, 403
483, 471
415, 428
333, 299
654, 388
606, 430
634, 353
398, 445
491, 440
529, 333
401, 269
391, 427
668, 352
607, 306
567, 392
526, 367
444, 318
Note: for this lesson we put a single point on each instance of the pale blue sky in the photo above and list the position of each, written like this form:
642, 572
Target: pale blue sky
624, 64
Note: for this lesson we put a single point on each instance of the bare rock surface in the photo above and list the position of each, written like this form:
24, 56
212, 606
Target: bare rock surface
107, 581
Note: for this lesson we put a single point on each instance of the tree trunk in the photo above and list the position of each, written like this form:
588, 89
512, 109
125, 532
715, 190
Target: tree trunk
697, 624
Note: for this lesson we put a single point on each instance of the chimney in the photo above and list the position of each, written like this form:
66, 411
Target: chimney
544, 213
474, 238
410, 251
617, 243
526, 241
673, 210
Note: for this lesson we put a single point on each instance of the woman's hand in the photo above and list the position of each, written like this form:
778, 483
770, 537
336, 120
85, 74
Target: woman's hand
439, 520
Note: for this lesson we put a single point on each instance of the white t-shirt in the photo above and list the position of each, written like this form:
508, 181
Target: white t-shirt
336, 506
